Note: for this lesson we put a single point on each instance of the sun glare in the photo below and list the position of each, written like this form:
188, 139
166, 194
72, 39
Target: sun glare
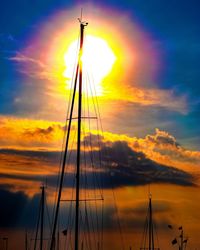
98, 59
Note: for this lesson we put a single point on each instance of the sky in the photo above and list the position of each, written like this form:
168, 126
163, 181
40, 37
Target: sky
144, 63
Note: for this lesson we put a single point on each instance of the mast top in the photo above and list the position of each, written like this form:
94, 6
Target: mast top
149, 191
80, 19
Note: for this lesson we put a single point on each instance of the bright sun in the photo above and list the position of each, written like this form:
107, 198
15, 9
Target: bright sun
98, 59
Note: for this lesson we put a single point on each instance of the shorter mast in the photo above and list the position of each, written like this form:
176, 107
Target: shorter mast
148, 237
40, 220
26, 240
151, 236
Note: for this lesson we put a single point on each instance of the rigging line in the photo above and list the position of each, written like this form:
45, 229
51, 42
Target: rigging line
148, 225
102, 225
94, 174
118, 221
100, 157
68, 222
68, 162
88, 226
100, 186
96, 107
92, 221
85, 236
33, 231
70, 98
73, 186
153, 226
86, 216
85, 207
38, 221
145, 230
87, 219
99, 160
100, 189
97, 104
112, 187
64, 161
85, 193
115, 204
48, 214
83, 174
70, 151
157, 239
142, 239
28, 243
92, 160
70, 218
69, 242
64, 137
80, 225
86, 213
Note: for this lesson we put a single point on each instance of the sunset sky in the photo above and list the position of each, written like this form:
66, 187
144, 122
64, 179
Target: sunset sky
143, 58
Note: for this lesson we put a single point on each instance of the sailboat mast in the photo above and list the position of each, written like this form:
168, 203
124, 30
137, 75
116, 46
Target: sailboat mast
52, 244
151, 236
150, 222
148, 236
82, 25
42, 219
181, 236
26, 240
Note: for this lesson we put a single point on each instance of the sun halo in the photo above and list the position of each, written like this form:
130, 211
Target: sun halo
98, 59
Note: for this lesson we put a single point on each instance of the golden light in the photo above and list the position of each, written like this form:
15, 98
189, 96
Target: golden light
98, 59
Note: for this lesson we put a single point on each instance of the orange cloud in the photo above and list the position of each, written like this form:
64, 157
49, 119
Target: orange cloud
163, 148
160, 147
45, 135
30, 134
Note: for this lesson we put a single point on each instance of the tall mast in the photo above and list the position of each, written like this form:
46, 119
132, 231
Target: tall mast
78, 74
82, 25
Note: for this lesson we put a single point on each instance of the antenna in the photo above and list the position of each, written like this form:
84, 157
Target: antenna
81, 13
81, 18
149, 190
46, 182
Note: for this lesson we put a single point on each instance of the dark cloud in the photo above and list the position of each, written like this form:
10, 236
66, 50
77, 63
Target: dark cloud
93, 140
43, 155
133, 168
120, 166
159, 206
44, 131
12, 207
18, 210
